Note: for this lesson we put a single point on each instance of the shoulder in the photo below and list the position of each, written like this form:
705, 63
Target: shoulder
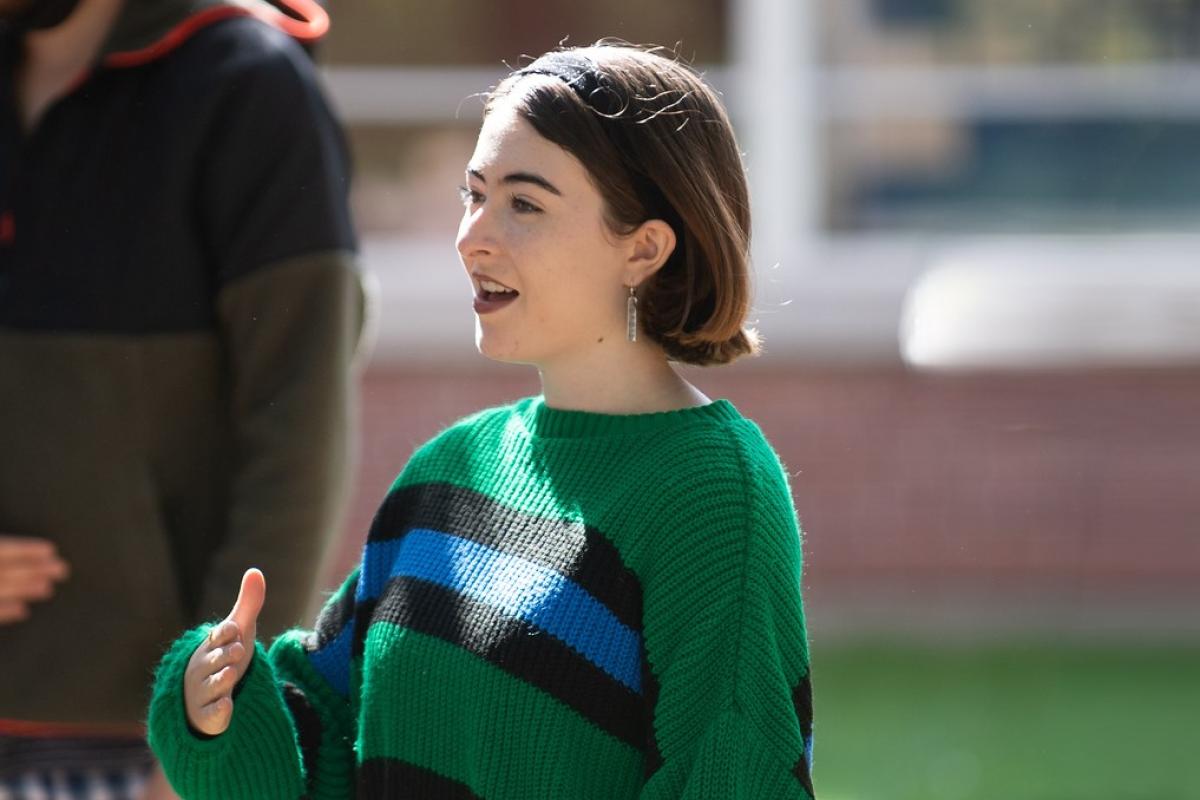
729, 455
725, 485
244, 44
245, 58
766, 471
473, 439
481, 424
772, 522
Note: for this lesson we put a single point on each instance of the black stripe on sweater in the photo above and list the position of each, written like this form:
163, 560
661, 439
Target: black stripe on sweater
517, 647
333, 618
579, 552
802, 702
308, 728
394, 779
800, 770
650, 688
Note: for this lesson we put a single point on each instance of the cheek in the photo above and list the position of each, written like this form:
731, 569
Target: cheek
579, 298
570, 274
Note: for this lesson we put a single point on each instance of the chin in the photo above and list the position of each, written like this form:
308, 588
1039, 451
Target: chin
492, 348
504, 353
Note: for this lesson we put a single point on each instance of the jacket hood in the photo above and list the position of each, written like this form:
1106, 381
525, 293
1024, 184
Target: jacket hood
149, 29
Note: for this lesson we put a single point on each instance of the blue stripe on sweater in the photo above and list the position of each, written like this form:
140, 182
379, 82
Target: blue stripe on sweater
519, 588
332, 661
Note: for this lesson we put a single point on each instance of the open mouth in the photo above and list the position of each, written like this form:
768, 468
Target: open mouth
492, 295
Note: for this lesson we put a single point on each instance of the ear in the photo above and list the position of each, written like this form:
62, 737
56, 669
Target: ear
649, 248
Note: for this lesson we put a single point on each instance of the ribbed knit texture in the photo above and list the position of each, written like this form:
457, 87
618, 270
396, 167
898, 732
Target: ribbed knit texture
551, 604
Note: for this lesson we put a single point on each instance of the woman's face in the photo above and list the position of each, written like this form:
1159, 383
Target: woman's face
547, 272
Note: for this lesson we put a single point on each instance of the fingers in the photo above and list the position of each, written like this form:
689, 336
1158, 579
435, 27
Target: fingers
223, 633
213, 718
249, 601
218, 661
29, 569
230, 655
212, 673
222, 658
13, 611
24, 548
26, 583
210, 703
217, 685
22, 554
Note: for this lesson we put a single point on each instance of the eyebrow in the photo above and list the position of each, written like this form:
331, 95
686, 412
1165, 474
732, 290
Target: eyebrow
520, 177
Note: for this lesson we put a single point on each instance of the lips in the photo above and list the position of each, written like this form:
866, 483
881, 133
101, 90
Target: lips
491, 295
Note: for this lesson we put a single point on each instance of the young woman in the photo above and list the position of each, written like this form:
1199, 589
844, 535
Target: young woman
594, 593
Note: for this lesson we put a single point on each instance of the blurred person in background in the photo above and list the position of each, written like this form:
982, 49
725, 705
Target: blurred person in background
179, 307
594, 593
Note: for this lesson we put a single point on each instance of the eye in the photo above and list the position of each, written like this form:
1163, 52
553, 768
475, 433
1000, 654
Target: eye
522, 206
469, 196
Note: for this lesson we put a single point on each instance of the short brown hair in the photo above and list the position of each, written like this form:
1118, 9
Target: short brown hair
657, 144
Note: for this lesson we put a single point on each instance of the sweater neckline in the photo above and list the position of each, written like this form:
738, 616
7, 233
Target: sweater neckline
543, 421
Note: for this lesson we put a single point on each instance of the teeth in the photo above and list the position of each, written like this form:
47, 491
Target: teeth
493, 287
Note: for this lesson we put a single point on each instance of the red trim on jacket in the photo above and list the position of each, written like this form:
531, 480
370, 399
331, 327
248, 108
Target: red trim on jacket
8, 232
69, 730
313, 26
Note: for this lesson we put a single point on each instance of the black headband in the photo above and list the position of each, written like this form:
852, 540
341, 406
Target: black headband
581, 74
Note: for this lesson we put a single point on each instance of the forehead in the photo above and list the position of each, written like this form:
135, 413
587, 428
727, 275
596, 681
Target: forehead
509, 143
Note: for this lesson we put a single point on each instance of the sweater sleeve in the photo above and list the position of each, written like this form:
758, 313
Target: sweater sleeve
292, 730
726, 647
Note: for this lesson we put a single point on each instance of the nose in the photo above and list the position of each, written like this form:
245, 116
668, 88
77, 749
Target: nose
476, 236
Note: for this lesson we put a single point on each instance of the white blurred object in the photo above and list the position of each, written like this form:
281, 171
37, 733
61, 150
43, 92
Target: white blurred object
1057, 302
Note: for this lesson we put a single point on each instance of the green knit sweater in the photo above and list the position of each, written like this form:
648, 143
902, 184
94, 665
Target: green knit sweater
550, 604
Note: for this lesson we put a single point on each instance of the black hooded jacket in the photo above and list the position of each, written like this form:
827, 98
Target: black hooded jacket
179, 308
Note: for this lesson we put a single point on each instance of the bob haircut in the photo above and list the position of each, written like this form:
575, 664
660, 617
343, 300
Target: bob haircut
657, 144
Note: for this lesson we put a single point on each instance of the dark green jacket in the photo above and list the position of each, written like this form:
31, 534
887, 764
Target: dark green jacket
179, 310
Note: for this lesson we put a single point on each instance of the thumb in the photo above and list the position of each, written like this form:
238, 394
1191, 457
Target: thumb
249, 603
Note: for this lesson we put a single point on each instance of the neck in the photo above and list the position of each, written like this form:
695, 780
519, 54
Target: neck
617, 377
55, 58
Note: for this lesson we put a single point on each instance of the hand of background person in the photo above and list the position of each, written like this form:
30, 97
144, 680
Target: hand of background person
29, 569
222, 659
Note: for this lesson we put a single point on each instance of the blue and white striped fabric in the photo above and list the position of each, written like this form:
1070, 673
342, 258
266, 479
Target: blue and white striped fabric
64, 784
73, 769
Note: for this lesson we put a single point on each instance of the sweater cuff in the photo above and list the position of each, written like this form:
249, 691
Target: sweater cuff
290, 662
256, 757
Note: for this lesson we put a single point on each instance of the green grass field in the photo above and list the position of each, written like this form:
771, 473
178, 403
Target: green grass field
1029, 722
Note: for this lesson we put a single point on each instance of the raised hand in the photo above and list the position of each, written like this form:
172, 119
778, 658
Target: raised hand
29, 569
222, 659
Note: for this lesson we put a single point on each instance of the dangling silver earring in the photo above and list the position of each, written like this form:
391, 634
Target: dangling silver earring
631, 322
